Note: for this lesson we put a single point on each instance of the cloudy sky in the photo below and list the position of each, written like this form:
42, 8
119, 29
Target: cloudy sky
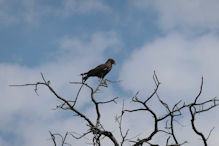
61, 39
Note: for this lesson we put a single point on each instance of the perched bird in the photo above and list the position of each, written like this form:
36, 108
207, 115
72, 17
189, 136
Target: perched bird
100, 71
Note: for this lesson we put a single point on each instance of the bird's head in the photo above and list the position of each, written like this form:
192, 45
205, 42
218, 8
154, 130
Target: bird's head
112, 61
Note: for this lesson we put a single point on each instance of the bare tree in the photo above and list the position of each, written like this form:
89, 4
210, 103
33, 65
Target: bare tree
98, 132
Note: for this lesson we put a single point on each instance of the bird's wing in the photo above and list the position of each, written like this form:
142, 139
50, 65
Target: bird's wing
98, 69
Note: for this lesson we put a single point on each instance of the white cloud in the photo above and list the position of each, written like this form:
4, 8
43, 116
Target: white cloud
179, 62
195, 13
186, 14
24, 112
5, 15
84, 6
33, 11
29, 117
3, 142
22, 11
101, 42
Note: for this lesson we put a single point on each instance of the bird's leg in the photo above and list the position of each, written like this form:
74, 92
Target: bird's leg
103, 82
82, 79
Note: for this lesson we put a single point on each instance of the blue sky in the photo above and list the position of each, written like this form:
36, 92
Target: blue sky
178, 39
35, 27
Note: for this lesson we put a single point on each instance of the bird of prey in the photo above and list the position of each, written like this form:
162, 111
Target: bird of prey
100, 71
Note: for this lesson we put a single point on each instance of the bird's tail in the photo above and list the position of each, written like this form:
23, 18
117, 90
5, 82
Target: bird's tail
84, 77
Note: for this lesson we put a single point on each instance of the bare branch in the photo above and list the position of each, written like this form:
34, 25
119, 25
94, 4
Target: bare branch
63, 139
209, 133
112, 100
97, 130
157, 83
194, 113
80, 136
53, 138
76, 98
45, 83
119, 121
113, 81
200, 91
